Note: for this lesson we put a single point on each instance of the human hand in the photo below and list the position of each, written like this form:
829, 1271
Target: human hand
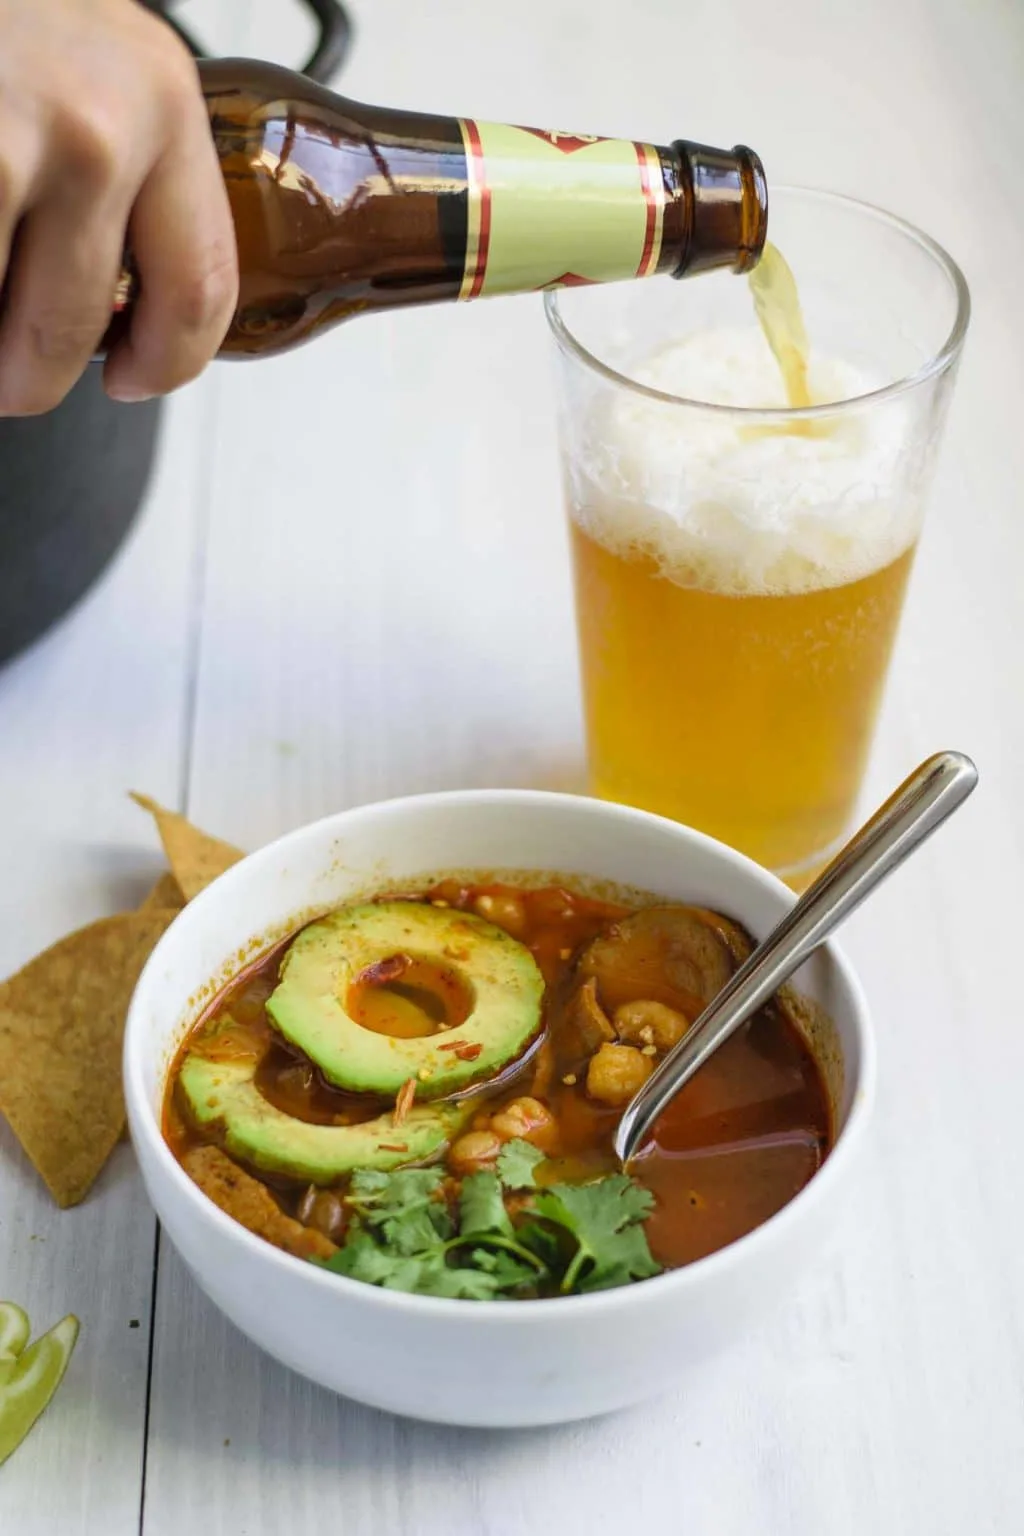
105, 140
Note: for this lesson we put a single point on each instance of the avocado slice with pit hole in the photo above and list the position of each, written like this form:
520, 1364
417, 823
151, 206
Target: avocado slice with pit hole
310, 1004
224, 1093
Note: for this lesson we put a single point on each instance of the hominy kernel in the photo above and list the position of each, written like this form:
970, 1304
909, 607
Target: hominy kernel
651, 1022
525, 1119
616, 1072
474, 1151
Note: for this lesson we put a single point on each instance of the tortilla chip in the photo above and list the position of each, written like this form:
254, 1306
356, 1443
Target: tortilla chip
164, 897
61, 1026
195, 858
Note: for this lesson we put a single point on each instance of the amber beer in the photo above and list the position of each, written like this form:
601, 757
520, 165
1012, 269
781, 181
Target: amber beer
341, 209
747, 714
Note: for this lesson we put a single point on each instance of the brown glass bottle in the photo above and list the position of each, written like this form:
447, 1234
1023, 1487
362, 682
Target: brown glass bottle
341, 208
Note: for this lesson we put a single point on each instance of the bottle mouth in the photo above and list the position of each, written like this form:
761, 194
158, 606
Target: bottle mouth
729, 208
754, 209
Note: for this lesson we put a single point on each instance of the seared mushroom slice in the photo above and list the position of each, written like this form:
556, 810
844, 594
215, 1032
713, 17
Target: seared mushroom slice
588, 1018
737, 940
666, 954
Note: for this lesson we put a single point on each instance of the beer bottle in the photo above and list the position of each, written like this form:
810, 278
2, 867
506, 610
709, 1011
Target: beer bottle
341, 208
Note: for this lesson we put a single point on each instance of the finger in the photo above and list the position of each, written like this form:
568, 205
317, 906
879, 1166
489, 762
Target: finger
19, 166
183, 244
62, 276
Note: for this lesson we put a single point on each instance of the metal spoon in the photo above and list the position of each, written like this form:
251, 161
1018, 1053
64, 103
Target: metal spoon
922, 803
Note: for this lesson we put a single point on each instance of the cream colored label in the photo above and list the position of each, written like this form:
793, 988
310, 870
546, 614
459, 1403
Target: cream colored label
551, 210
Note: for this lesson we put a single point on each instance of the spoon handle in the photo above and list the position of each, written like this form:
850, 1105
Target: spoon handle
896, 829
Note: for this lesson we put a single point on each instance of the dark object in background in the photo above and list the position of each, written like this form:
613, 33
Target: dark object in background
332, 45
72, 481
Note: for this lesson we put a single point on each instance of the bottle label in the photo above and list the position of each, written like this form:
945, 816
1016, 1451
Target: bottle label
554, 210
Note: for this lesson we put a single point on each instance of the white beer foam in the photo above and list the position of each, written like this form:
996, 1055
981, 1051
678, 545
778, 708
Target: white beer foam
718, 505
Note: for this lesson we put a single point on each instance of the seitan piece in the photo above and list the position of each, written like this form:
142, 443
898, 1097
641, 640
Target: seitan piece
241, 1196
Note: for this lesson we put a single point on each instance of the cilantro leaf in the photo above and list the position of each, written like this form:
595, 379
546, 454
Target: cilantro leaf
405, 1207
426, 1274
542, 1240
516, 1162
604, 1218
484, 1221
481, 1207
508, 1272
631, 1260
361, 1258
470, 1284
394, 1193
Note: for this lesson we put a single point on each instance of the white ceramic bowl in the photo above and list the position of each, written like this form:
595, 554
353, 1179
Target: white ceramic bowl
461, 1362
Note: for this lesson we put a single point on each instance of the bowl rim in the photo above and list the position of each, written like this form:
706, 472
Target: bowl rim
144, 1123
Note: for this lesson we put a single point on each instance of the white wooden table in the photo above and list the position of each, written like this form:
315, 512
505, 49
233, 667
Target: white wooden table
350, 581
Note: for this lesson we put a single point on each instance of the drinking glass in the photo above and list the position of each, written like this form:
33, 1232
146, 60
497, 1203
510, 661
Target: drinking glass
740, 571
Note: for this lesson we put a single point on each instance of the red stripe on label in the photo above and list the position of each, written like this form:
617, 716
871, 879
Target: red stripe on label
652, 210
484, 238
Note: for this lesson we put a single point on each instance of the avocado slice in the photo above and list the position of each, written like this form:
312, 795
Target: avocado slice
223, 1092
308, 1005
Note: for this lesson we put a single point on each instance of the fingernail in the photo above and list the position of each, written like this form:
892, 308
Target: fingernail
129, 394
